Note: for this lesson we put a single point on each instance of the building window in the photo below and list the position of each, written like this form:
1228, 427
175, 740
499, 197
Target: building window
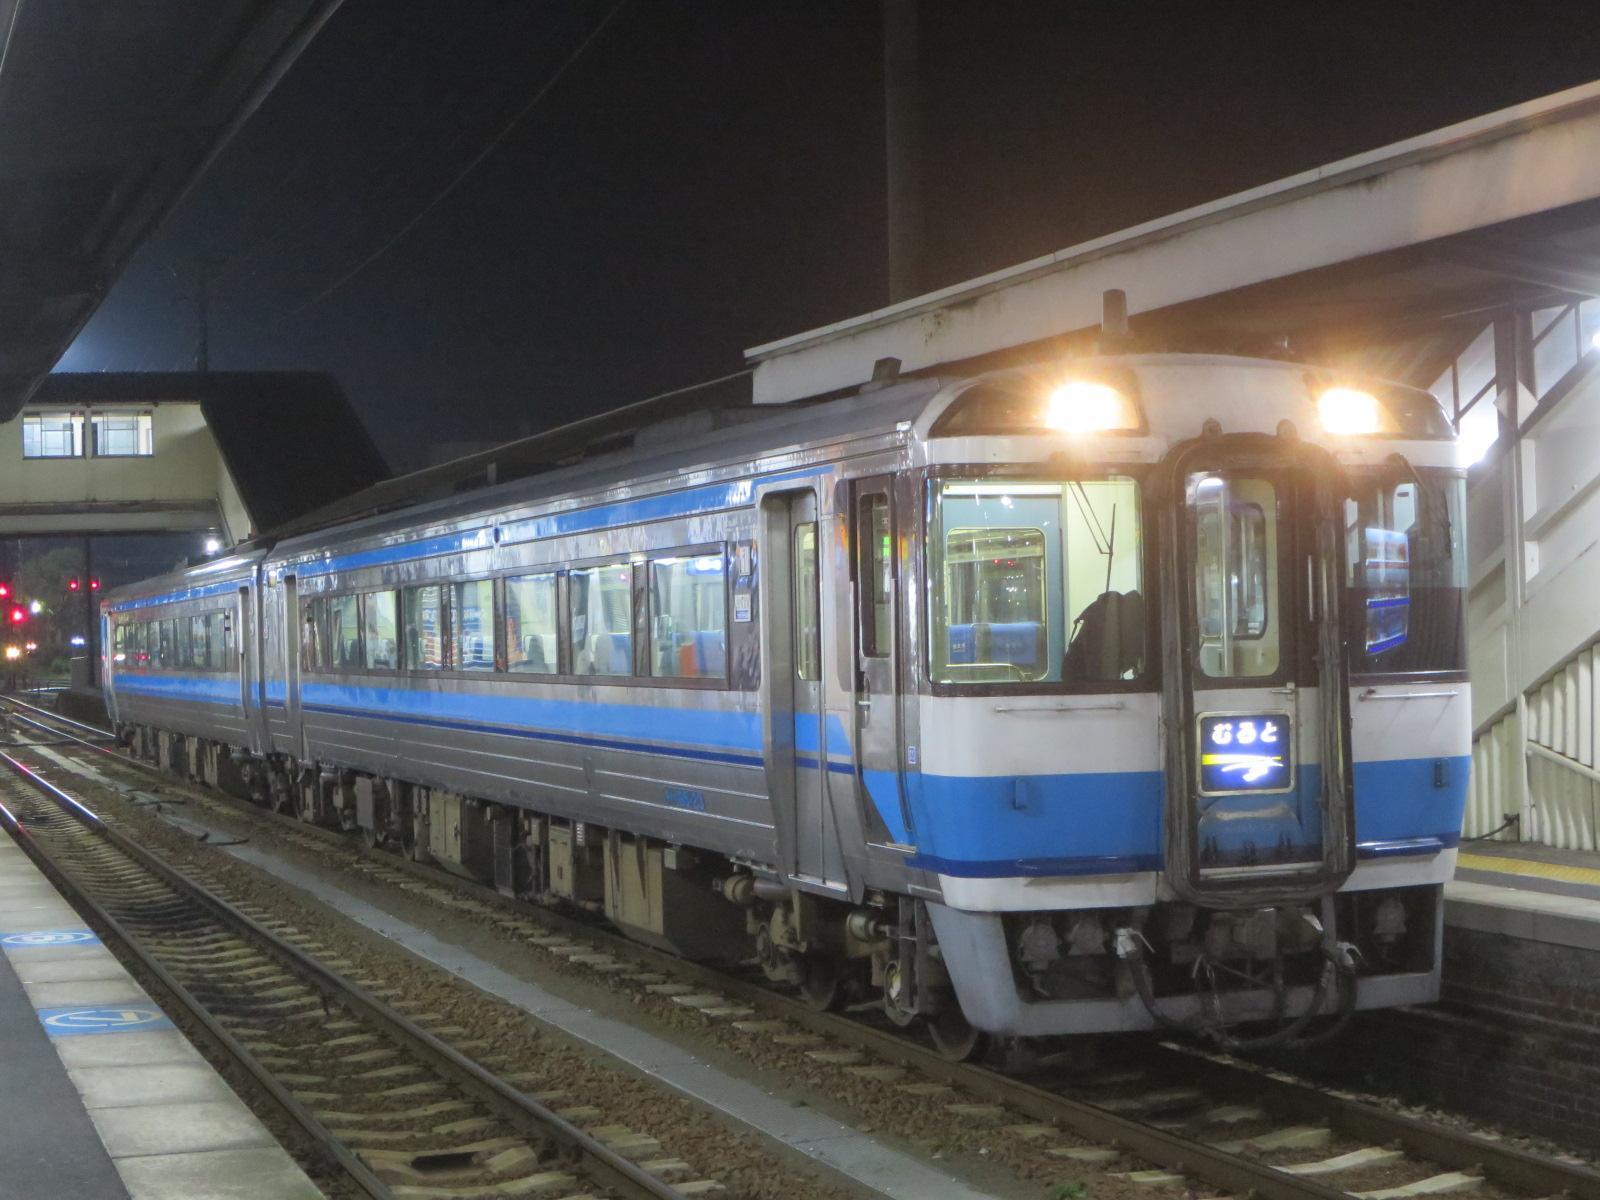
52, 435
123, 435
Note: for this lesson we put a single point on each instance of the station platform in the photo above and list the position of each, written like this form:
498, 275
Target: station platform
101, 1096
1528, 892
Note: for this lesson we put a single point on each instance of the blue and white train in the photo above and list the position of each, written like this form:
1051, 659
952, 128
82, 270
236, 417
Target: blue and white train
1105, 694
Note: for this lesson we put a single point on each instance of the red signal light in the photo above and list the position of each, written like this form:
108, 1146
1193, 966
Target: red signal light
5, 591
18, 614
73, 585
94, 585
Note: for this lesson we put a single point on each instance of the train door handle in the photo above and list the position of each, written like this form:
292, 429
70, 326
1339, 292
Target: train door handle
864, 708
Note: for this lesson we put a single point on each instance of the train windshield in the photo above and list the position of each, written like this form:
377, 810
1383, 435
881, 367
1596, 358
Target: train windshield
1406, 573
1035, 582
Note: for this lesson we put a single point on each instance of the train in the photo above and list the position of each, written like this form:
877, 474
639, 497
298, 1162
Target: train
1103, 694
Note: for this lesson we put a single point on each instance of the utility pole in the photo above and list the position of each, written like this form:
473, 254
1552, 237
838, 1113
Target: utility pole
202, 313
202, 298
902, 139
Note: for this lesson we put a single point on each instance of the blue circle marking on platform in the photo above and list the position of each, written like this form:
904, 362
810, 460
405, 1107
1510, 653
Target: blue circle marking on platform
50, 937
110, 1018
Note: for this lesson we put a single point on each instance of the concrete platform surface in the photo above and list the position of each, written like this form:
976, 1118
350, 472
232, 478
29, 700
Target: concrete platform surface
1535, 893
101, 1097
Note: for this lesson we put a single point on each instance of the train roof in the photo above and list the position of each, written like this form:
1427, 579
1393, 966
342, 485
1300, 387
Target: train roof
212, 577
662, 451
712, 440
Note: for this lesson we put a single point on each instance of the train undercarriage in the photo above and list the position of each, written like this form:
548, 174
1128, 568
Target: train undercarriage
1236, 978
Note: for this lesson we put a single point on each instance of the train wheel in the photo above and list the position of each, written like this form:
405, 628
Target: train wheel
823, 984
955, 1038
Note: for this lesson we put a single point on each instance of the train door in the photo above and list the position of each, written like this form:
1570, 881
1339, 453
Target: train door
798, 740
1257, 783
244, 647
877, 701
109, 665
292, 650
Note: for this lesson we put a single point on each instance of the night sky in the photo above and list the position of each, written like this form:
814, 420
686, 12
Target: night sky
708, 176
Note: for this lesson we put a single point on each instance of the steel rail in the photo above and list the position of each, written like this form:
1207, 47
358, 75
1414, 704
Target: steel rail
606, 1166
97, 915
1507, 1165
45, 712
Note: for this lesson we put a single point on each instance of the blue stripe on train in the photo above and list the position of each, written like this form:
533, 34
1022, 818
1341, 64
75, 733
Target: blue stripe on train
1110, 822
977, 827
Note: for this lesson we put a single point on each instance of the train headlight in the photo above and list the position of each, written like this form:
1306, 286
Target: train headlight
1345, 410
1084, 406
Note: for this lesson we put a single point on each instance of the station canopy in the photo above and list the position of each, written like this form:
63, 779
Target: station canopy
1387, 263
108, 112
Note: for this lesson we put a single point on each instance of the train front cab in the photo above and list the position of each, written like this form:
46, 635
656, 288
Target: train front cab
1193, 735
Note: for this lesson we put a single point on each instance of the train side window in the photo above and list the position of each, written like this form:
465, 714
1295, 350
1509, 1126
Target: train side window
217, 640
313, 634
197, 644
875, 574
532, 626
688, 616
472, 625
600, 619
424, 622
807, 604
343, 646
380, 642
166, 646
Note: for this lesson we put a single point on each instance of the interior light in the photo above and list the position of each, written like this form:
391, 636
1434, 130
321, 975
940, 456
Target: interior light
1348, 410
212, 545
1595, 340
1083, 406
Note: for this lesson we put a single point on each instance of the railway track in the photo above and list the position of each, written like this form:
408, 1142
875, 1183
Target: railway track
379, 1092
1189, 1118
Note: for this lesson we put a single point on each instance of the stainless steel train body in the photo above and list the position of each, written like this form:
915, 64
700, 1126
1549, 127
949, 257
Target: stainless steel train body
1084, 697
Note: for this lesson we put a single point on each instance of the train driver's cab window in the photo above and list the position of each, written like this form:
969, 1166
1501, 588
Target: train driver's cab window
1035, 582
472, 625
532, 625
600, 618
380, 640
423, 617
1405, 573
1233, 532
688, 616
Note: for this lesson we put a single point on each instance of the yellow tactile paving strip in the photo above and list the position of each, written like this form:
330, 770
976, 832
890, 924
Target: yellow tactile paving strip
1505, 865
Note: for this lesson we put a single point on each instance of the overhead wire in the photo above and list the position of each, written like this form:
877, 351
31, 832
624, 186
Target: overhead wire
476, 161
